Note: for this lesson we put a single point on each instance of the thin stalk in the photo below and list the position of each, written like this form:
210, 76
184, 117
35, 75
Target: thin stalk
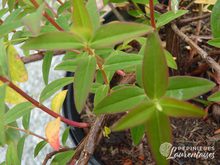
27, 132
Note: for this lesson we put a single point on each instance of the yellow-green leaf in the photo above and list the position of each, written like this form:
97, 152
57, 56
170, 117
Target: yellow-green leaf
58, 100
12, 97
17, 69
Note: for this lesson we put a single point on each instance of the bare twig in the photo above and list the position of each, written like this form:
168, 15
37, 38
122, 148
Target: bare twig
38, 56
41, 106
193, 19
204, 55
92, 140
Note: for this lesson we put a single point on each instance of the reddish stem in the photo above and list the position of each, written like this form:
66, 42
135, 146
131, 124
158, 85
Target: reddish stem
41, 106
152, 18
50, 19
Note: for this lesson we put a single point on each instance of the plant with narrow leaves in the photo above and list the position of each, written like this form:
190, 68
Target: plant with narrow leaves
94, 52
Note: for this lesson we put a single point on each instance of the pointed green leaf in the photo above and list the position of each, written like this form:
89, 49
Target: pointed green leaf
20, 147
17, 112
168, 17
65, 135
121, 61
137, 134
170, 60
186, 87
54, 86
154, 69
12, 155
2, 114
121, 100
3, 58
46, 66
26, 120
113, 33
215, 42
84, 77
137, 116
39, 147
139, 75
62, 158
82, 25
93, 13
215, 24
215, 97
158, 131
100, 93
53, 41
68, 65
33, 20
176, 108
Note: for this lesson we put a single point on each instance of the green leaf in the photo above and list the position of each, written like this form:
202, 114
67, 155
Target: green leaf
119, 60
3, 58
68, 65
26, 120
65, 135
62, 158
215, 24
17, 112
113, 33
215, 97
54, 86
186, 87
154, 69
120, 100
82, 25
215, 42
93, 11
137, 116
2, 114
177, 108
168, 17
33, 20
20, 147
53, 41
13, 16
158, 131
6, 28
84, 76
100, 93
46, 66
170, 60
137, 134
12, 155
39, 147
16, 66
139, 75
